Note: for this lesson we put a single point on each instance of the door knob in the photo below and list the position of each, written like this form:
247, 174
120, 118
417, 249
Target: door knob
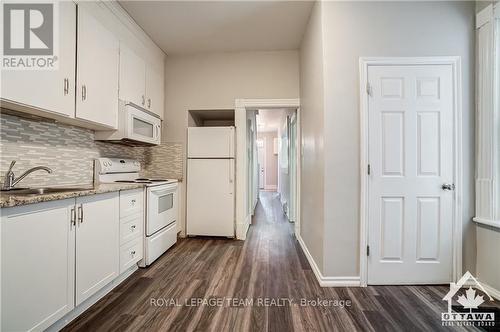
448, 186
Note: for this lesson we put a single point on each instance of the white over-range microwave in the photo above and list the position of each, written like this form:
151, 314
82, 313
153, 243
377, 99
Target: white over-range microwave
136, 126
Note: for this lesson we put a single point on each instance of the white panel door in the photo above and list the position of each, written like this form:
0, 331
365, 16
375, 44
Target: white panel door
97, 243
411, 157
132, 77
50, 90
38, 255
210, 197
211, 142
155, 90
97, 71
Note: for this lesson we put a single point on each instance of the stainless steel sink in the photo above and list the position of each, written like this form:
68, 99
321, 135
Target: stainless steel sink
42, 191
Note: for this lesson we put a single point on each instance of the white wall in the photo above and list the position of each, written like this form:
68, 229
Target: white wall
214, 81
350, 30
312, 158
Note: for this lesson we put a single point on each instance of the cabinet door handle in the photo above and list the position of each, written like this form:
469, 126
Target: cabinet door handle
149, 102
80, 213
66, 86
73, 216
84, 92
143, 100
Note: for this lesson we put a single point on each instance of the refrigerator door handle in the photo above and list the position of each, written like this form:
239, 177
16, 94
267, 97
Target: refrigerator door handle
230, 143
231, 171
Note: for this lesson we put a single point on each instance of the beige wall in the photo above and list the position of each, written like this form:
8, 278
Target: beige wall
312, 161
271, 159
488, 247
350, 30
214, 81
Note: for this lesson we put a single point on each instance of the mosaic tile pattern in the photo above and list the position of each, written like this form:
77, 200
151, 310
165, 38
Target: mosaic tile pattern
69, 151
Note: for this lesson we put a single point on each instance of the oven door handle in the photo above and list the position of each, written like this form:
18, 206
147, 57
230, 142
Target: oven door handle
162, 192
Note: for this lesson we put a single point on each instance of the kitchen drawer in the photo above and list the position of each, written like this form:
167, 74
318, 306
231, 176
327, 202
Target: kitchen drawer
131, 228
130, 254
131, 202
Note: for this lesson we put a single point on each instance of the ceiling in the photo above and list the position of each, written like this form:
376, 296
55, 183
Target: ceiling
188, 27
269, 120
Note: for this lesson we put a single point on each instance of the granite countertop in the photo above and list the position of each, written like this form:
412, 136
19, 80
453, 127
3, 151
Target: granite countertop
7, 200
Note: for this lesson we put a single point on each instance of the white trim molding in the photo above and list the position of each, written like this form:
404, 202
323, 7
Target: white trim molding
327, 281
488, 118
455, 62
241, 107
490, 290
487, 222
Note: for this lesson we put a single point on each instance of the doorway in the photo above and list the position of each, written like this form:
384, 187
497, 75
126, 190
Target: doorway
276, 142
246, 169
409, 203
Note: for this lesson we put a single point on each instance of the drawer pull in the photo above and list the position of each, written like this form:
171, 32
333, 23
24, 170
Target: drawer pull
132, 227
133, 202
133, 253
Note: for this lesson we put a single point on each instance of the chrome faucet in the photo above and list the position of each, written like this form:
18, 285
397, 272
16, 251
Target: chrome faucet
10, 179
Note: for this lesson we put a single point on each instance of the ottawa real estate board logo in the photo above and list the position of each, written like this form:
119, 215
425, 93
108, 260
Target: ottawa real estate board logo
468, 312
30, 35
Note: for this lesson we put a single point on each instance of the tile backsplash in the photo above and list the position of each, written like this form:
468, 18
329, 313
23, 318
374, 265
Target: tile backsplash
70, 151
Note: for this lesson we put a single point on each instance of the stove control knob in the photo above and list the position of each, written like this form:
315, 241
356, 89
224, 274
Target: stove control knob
110, 163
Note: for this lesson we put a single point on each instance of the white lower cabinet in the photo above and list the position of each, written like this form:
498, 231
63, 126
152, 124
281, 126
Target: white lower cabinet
38, 265
131, 228
97, 243
54, 256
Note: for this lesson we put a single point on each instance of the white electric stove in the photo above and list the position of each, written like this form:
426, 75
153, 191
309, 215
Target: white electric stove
161, 203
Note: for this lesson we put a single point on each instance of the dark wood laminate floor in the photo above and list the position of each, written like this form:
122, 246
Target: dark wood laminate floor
269, 265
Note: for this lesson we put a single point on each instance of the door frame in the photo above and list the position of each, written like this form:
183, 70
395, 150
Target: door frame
293, 163
241, 107
364, 64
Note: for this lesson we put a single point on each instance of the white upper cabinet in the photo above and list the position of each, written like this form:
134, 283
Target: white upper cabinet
91, 75
97, 243
48, 91
132, 77
37, 271
97, 72
155, 90
141, 82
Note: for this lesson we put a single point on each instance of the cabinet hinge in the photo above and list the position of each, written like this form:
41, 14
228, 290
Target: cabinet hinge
369, 89
367, 250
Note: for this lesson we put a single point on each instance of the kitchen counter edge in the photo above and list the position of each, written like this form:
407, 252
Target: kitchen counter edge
8, 201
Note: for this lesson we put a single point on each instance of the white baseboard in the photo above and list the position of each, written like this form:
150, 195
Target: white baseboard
77, 311
490, 290
327, 281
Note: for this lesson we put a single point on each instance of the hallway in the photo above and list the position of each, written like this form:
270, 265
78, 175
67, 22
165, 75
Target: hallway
207, 284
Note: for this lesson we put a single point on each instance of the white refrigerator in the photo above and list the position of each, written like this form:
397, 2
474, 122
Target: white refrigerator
210, 181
